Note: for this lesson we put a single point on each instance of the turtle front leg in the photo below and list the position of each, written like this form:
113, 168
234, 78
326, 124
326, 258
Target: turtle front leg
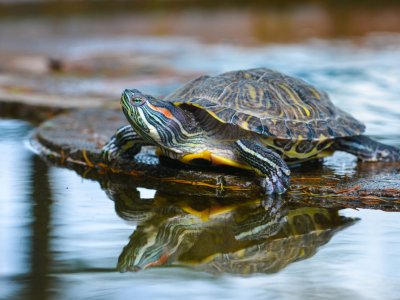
366, 149
125, 144
266, 163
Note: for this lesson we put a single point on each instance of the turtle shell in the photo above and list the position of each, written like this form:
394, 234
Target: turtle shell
269, 103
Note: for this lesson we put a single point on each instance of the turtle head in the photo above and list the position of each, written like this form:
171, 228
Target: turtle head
157, 121
132, 99
140, 112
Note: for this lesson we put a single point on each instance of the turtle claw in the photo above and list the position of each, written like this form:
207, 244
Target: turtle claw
277, 180
124, 144
266, 162
267, 185
109, 151
275, 183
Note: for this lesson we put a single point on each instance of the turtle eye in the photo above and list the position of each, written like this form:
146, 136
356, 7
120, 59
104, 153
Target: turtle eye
136, 101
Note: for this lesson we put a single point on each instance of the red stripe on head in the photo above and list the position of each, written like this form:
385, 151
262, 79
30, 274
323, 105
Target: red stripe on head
162, 110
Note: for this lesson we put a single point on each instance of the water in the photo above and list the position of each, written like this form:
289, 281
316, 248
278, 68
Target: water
63, 236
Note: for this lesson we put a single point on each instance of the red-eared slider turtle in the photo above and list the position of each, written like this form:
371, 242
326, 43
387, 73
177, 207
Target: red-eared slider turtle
256, 119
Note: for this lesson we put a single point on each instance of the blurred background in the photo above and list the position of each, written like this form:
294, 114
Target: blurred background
51, 51
60, 235
238, 21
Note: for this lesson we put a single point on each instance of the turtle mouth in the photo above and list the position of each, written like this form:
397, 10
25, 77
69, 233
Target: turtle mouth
126, 112
134, 117
129, 114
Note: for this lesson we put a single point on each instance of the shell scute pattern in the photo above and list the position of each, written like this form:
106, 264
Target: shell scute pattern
269, 103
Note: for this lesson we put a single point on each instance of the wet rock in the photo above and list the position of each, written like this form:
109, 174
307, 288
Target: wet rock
75, 140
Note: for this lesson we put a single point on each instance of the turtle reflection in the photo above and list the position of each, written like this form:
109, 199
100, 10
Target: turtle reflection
220, 235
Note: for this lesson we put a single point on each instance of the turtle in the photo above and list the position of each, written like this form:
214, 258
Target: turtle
257, 119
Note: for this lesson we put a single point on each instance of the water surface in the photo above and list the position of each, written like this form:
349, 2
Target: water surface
62, 235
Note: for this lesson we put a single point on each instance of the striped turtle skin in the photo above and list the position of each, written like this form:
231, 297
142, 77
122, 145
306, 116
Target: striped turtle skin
256, 119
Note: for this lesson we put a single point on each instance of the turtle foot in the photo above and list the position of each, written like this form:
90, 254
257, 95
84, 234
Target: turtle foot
124, 144
367, 149
276, 183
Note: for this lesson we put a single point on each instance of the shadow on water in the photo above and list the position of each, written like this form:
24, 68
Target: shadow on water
33, 278
39, 281
219, 235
